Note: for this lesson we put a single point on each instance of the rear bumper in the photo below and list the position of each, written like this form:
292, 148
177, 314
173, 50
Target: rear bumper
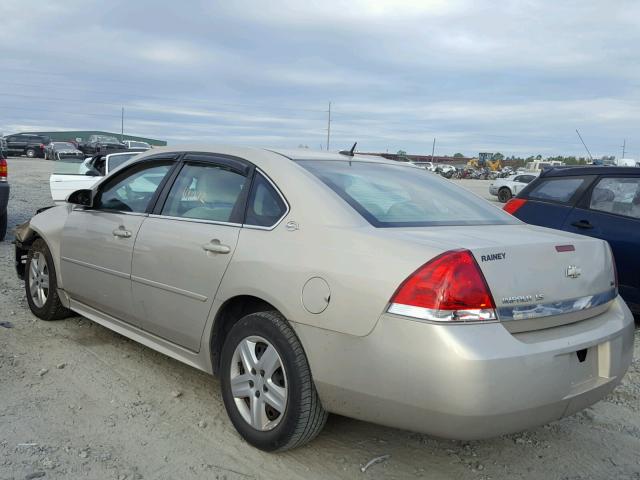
4, 196
469, 381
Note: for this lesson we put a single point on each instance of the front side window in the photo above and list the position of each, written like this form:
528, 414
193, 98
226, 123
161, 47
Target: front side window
398, 196
133, 191
265, 206
206, 192
557, 189
617, 195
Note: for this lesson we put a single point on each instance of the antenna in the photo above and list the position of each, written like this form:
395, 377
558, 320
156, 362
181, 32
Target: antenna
624, 147
351, 152
329, 126
585, 145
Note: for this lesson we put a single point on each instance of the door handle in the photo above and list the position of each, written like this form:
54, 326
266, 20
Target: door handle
214, 246
582, 224
121, 233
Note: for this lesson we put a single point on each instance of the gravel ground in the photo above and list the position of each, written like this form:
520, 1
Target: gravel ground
79, 401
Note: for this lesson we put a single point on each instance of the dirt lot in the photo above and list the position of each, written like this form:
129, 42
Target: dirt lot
78, 401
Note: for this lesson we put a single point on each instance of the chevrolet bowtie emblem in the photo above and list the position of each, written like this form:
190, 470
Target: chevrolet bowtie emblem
573, 271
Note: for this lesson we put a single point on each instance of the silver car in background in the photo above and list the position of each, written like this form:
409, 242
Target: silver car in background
318, 282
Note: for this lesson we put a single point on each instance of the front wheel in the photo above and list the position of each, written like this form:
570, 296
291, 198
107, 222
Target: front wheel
41, 285
266, 384
504, 195
31, 153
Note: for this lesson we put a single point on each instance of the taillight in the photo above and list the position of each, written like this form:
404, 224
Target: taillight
449, 288
513, 205
3, 170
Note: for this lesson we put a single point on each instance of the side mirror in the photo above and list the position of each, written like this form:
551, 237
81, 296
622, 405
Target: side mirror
82, 197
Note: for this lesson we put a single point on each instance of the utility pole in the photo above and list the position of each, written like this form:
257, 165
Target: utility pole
122, 125
624, 147
433, 148
329, 127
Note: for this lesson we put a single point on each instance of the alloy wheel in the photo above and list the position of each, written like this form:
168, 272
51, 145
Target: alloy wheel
258, 383
39, 279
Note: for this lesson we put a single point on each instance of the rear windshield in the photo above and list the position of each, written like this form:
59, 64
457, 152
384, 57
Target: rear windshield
401, 196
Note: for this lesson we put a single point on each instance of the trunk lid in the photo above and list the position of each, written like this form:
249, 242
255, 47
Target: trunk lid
538, 277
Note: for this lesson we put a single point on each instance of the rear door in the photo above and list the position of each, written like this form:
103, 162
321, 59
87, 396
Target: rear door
551, 199
184, 247
610, 210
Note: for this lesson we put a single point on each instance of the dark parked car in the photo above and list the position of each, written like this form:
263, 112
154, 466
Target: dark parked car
602, 202
56, 150
101, 144
27, 144
4, 196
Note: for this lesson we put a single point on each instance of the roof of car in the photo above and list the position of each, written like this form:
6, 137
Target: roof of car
589, 170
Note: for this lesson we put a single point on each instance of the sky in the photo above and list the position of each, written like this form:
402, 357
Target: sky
516, 77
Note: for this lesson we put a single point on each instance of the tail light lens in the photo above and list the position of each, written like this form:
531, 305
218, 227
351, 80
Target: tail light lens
449, 288
513, 205
3, 170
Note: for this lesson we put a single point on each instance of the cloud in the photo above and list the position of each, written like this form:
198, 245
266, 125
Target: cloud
514, 76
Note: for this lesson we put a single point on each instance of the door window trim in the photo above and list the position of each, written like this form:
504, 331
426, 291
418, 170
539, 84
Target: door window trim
239, 165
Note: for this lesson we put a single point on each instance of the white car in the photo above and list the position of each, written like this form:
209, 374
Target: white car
505, 188
71, 174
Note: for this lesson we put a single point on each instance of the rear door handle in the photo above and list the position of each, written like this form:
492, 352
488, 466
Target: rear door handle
582, 224
214, 246
121, 233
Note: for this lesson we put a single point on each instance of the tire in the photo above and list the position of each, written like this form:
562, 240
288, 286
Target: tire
30, 152
45, 305
302, 417
3, 225
504, 195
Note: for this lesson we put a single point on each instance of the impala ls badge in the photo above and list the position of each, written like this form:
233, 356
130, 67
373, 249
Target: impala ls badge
573, 271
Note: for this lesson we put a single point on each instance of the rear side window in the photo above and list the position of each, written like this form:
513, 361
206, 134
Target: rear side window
389, 195
265, 207
620, 196
556, 189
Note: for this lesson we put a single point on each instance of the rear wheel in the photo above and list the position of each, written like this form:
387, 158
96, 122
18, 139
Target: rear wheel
41, 285
31, 153
267, 386
504, 195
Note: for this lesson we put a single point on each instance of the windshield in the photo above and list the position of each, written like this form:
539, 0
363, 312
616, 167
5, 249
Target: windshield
400, 196
71, 166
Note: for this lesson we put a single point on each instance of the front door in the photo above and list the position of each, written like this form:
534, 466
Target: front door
97, 242
182, 252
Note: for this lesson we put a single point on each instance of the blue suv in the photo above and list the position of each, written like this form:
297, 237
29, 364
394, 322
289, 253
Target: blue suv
602, 202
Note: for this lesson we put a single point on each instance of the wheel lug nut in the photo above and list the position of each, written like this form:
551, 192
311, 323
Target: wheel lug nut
251, 383
258, 394
262, 373
265, 389
253, 371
